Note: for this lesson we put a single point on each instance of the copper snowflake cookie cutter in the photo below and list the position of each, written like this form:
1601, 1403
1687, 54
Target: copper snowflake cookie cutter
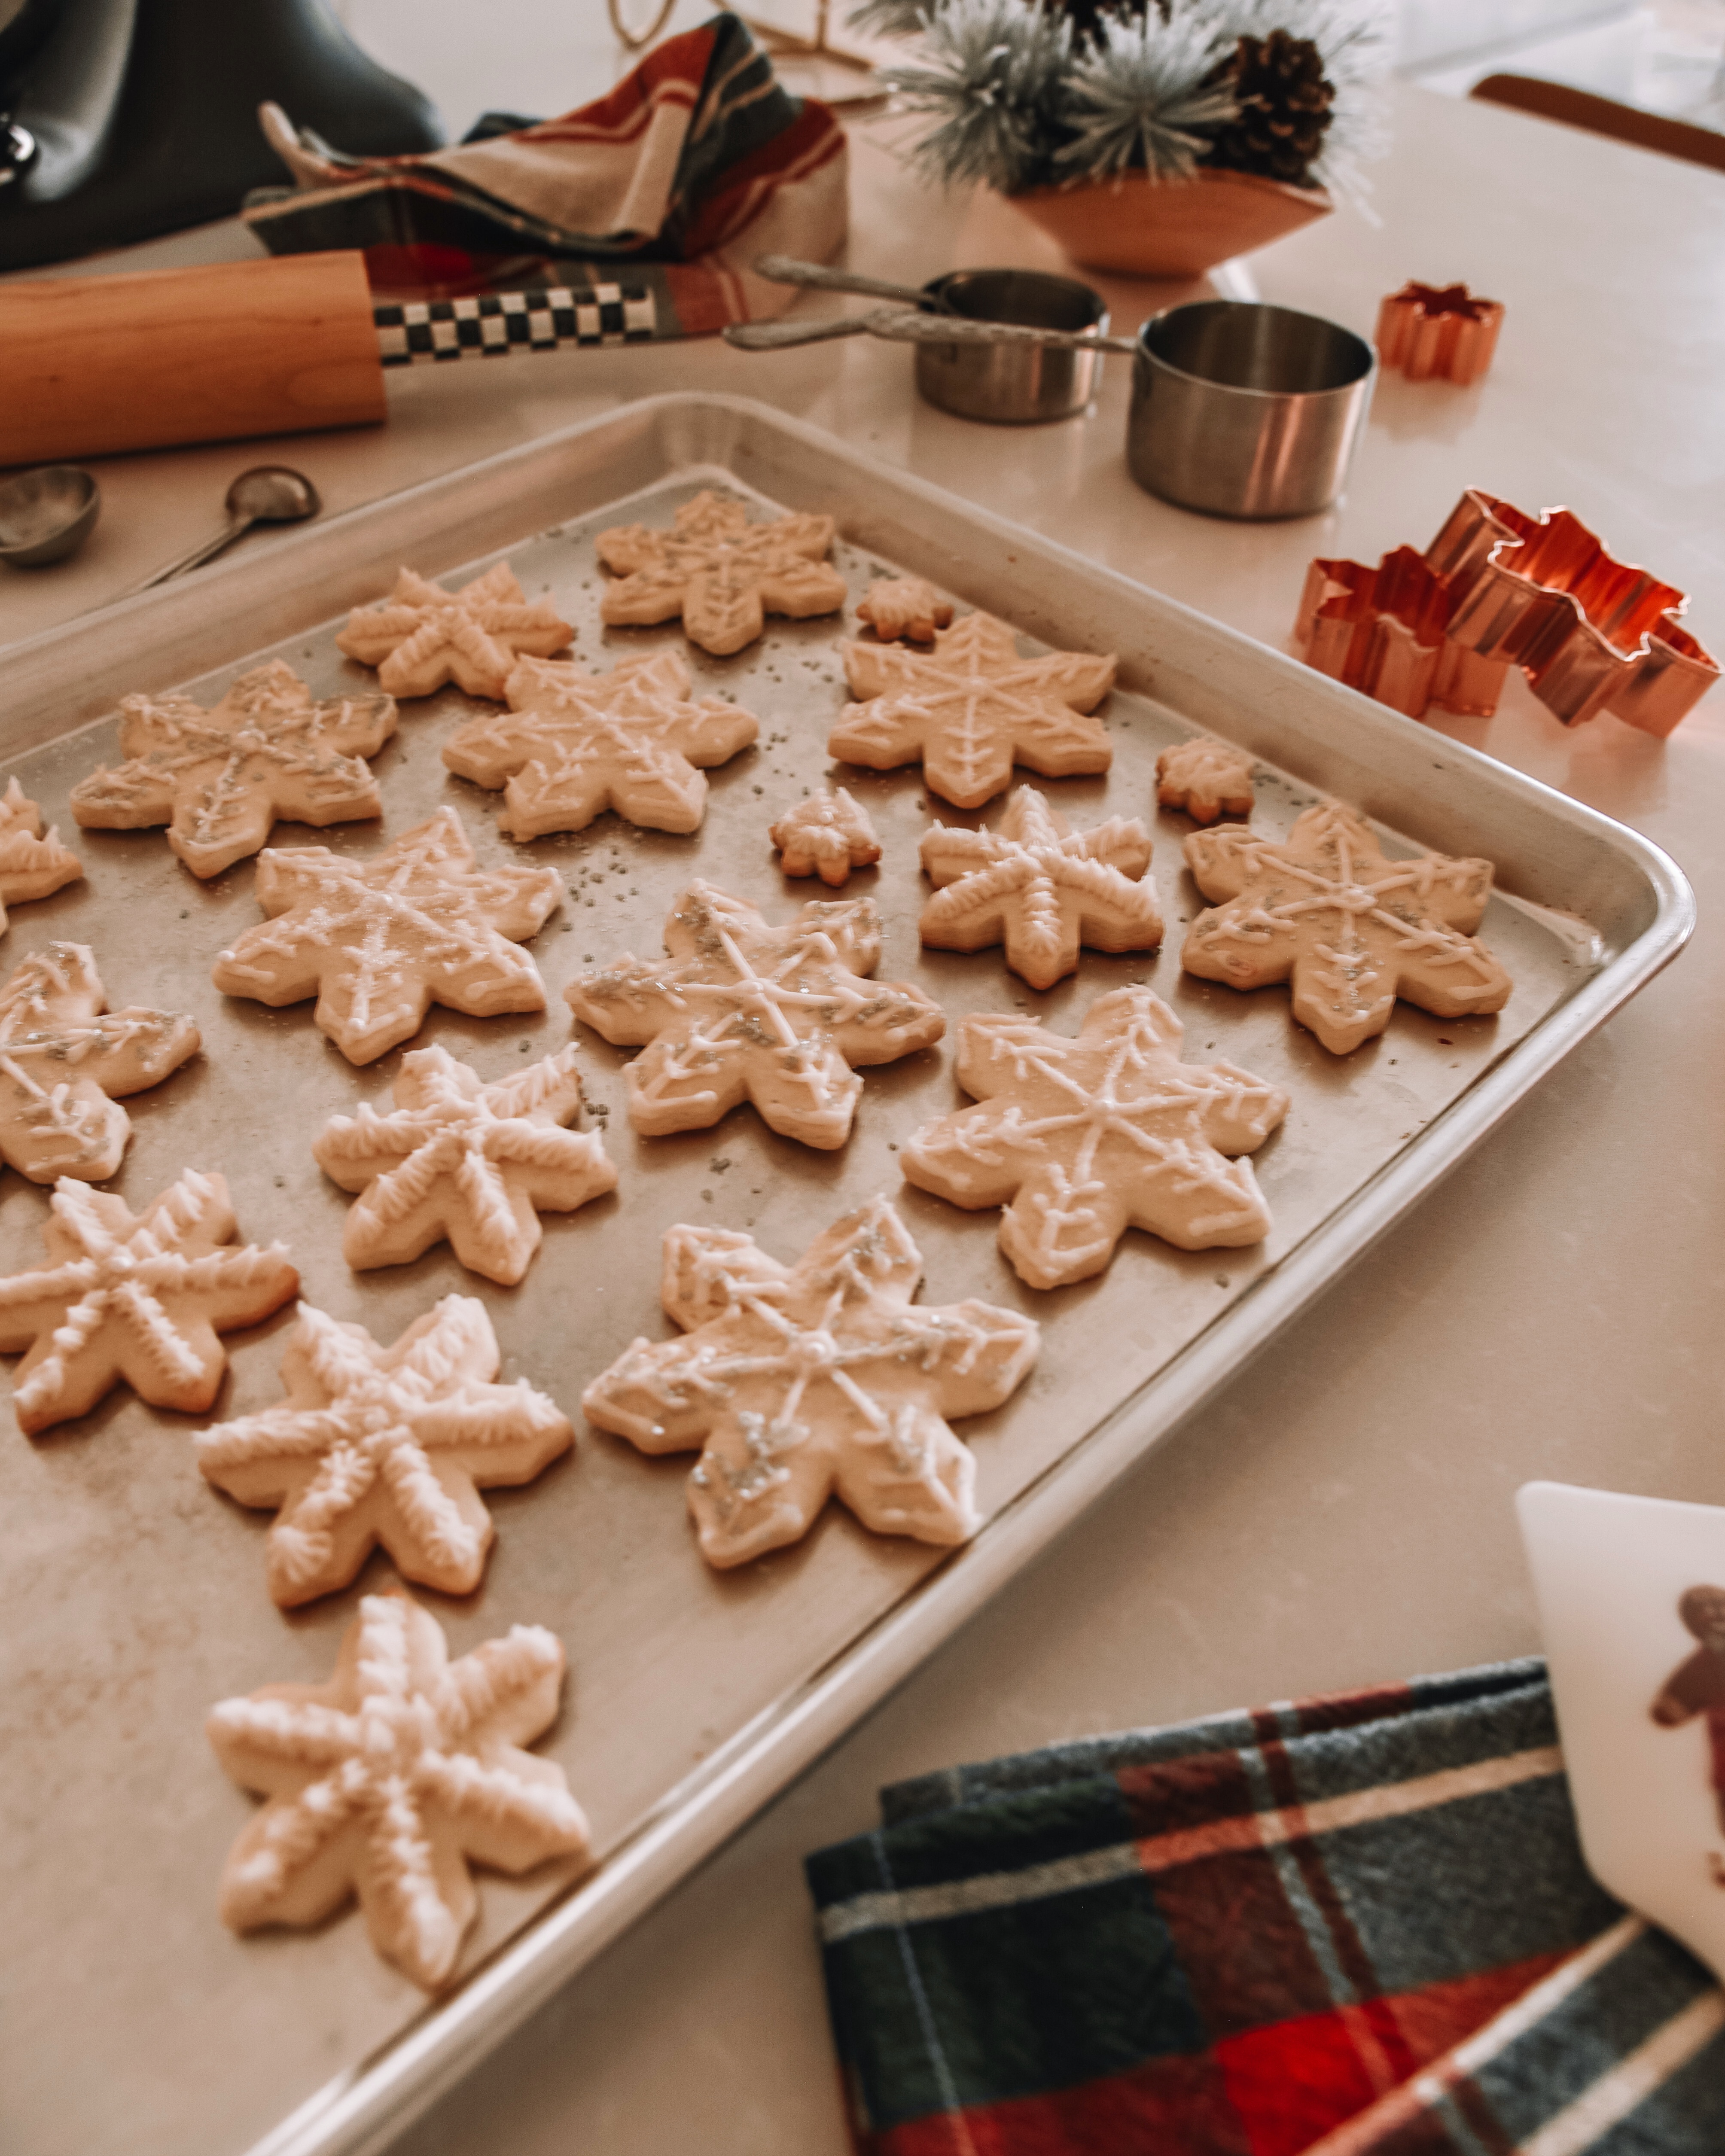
1498, 588
1437, 332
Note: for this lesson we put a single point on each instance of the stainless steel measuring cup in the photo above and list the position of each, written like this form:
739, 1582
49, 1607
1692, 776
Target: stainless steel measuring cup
1247, 410
1014, 385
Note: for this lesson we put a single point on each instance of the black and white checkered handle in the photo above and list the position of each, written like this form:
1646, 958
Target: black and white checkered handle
413, 331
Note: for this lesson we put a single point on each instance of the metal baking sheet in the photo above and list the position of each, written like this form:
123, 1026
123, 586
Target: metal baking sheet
135, 1595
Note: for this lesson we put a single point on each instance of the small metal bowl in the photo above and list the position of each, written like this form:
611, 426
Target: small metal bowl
1012, 385
46, 514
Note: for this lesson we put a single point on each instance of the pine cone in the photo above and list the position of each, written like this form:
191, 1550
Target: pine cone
1285, 98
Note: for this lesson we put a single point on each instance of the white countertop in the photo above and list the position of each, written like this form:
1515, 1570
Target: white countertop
1342, 1513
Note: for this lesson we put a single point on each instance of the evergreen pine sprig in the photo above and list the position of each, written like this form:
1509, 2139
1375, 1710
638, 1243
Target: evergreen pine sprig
1143, 97
994, 78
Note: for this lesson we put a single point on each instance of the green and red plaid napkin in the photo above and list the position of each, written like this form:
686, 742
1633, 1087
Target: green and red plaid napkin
1359, 1926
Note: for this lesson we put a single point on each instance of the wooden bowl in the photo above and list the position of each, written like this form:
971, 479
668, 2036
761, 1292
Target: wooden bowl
1138, 227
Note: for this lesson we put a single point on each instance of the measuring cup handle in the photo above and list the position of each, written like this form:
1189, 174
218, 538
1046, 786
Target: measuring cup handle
779, 336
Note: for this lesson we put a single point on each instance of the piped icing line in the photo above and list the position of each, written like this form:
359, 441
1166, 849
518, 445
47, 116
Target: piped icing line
822, 1379
392, 1779
1079, 1139
141, 1298
220, 778
33, 863
423, 636
387, 1446
720, 573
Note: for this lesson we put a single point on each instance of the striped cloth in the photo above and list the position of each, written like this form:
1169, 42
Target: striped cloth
665, 190
1359, 1926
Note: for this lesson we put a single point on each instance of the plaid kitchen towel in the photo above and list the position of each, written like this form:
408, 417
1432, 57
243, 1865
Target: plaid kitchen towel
1359, 1926
698, 162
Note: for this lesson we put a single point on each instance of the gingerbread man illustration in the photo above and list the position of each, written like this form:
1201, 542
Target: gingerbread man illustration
1697, 1686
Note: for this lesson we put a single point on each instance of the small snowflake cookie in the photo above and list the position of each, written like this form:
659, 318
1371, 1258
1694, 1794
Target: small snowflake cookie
33, 864
722, 574
423, 636
464, 1162
904, 610
391, 1780
1326, 910
1207, 778
1040, 889
828, 836
218, 779
385, 1444
1080, 1139
802, 1383
138, 1296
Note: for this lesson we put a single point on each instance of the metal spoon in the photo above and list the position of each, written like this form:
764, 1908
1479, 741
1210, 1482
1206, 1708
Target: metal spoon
45, 515
899, 326
786, 270
268, 494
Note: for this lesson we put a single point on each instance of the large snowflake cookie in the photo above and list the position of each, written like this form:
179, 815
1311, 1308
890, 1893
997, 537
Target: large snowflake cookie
460, 1161
1207, 778
63, 1055
138, 1296
218, 779
422, 635
971, 707
827, 835
33, 864
741, 1011
1080, 1139
1351, 929
801, 1382
721, 573
574, 743
378, 941
393, 1778
385, 1444
1040, 889
904, 608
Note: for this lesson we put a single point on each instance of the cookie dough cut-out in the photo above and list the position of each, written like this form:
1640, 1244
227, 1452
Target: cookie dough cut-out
135, 1297
1207, 778
385, 1444
391, 1780
721, 573
972, 707
378, 941
33, 864
741, 1011
1080, 1139
1040, 889
423, 636
820, 1379
63, 1055
1351, 929
828, 836
904, 610
218, 779
459, 1160
574, 743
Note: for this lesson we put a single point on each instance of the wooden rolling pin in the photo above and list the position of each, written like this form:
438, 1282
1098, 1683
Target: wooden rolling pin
284, 345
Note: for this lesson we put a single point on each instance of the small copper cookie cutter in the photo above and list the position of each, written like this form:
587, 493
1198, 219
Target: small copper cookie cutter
1498, 588
1435, 332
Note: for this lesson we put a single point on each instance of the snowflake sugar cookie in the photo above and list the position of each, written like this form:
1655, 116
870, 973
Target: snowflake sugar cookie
1080, 1139
422, 635
900, 609
63, 1055
220, 778
385, 1444
1350, 928
33, 864
1207, 778
470, 1163
1040, 889
971, 707
801, 1382
574, 743
828, 836
741, 1011
378, 941
393, 1778
721, 573
138, 1296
